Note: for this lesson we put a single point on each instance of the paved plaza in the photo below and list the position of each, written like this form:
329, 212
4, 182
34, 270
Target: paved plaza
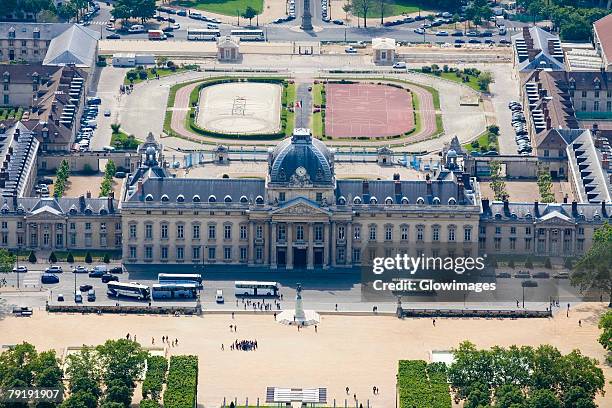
358, 352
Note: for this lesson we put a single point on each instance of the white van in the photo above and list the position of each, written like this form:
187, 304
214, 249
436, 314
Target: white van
212, 26
78, 298
399, 65
136, 28
219, 296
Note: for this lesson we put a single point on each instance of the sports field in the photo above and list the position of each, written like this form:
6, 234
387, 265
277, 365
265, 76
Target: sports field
367, 110
240, 108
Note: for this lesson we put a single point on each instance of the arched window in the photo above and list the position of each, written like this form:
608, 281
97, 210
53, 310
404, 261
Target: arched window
420, 201
405, 200
212, 199
373, 200
388, 201
357, 200
227, 199
452, 201
165, 198
149, 197
196, 199
180, 198
244, 200
341, 200
259, 200
436, 201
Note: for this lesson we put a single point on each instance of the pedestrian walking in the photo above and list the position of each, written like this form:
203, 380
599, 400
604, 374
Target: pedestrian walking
152, 340
579, 323
274, 315
176, 341
315, 328
222, 347
347, 390
235, 328
231, 327
434, 322
336, 307
232, 315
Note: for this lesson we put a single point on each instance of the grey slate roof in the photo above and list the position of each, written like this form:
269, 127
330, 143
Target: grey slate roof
301, 151
24, 31
22, 154
204, 188
81, 206
77, 45
527, 211
412, 190
539, 53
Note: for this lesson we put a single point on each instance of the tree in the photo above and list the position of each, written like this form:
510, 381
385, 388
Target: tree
547, 263
118, 392
88, 258
605, 338
529, 263
52, 257
543, 399
84, 372
106, 258
116, 126
67, 11
249, 13
383, 7
509, 395
7, 260
593, 269
497, 184
484, 80
70, 258
32, 257
346, 7
362, 7
121, 360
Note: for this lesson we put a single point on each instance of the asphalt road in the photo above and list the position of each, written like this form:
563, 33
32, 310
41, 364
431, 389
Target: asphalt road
287, 32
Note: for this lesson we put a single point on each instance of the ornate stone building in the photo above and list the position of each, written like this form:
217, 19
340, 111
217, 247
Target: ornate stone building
300, 216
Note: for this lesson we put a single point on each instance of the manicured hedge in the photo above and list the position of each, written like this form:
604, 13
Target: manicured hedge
148, 403
156, 375
182, 381
423, 386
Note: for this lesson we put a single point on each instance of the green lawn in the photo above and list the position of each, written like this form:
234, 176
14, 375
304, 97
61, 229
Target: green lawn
485, 142
226, 7
123, 141
317, 98
8, 112
473, 83
397, 8
317, 124
162, 72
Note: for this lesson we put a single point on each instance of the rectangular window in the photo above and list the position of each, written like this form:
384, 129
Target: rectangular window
356, 255
281, 197
227, 232
341, 255
596, 106
132, 231
196, 232
148, 231
388, 233
259, 232
299, 232
164, 231
148, 252
180, 253
497, 243
372, 232
318, 233
212, 232
212, 253
180, 231
451, 234
341, 232
132, 252
435, 233
404, 233
527, 230
513, 243
227, 253
528, 244
467, 234
357, 232
195, 253
244, 234
243, 253
512, 230
498, 230
164, 253
259, 253
580, 230
420, 233
88, 226
319, 197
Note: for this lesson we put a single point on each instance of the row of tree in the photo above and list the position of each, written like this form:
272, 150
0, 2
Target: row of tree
63, 172
105, 375
140, 9
524, 377
107, 183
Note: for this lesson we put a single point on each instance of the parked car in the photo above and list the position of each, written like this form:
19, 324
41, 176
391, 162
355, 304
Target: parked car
54, 269
442, 34
79, 269
399, 65
419, 31
561, 275
96, 274
541, 275
116, 269
338, 22
350, 50
20, 269
85, 287
522, 275
60, 297
529, 284
107, 277
504, 275
47, 278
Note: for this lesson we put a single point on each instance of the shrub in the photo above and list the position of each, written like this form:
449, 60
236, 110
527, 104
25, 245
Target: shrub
529, 263
147, 403
155, 377
88, 258
32, 257
547, 263
52, 257
70, 258
511, 264
493, 129
106, 258
182, 382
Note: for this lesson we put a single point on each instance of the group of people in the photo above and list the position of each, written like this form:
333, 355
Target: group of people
263, 306
165, 339
242, 345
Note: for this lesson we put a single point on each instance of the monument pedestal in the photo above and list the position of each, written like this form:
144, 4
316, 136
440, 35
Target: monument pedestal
306, 17
299, 316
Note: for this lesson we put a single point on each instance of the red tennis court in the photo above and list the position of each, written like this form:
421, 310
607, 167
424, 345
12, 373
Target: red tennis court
354, 110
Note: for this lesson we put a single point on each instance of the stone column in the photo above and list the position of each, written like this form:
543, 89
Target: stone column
349, 244
273, 245
310, 254
266, 235
326, 243
251, 238
289, 256
334, 237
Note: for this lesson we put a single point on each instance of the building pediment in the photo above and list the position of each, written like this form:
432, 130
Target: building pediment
555, 218
45, 213
301, 206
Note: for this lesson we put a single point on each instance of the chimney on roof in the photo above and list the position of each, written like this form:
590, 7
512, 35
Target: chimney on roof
110, 202
88, 194
574, 209
506, 207
14, 200
548, 123
365, 191
565, 199
536, 209
16, 134
604, 210
139, 188
398, 191
429, 186
460, 190
485, 205
82, 203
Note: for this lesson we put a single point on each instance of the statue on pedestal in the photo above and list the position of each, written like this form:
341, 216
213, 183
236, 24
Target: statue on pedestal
299, 306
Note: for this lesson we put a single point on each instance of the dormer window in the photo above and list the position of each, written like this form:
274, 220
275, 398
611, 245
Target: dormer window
572, 83
6, 77
212, 199
180, 198
244, 200
196, 198
357, 200
165, 198
259, 200
436, 201
388, 201
373, 200
341, 200
405, 200
420, 201
596, 83
149, 197
11, 33
227, 199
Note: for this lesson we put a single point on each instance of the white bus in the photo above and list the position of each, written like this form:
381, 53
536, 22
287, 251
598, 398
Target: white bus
135, 290
249, 35
202, 34
254, 288
174, 290
194, 278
